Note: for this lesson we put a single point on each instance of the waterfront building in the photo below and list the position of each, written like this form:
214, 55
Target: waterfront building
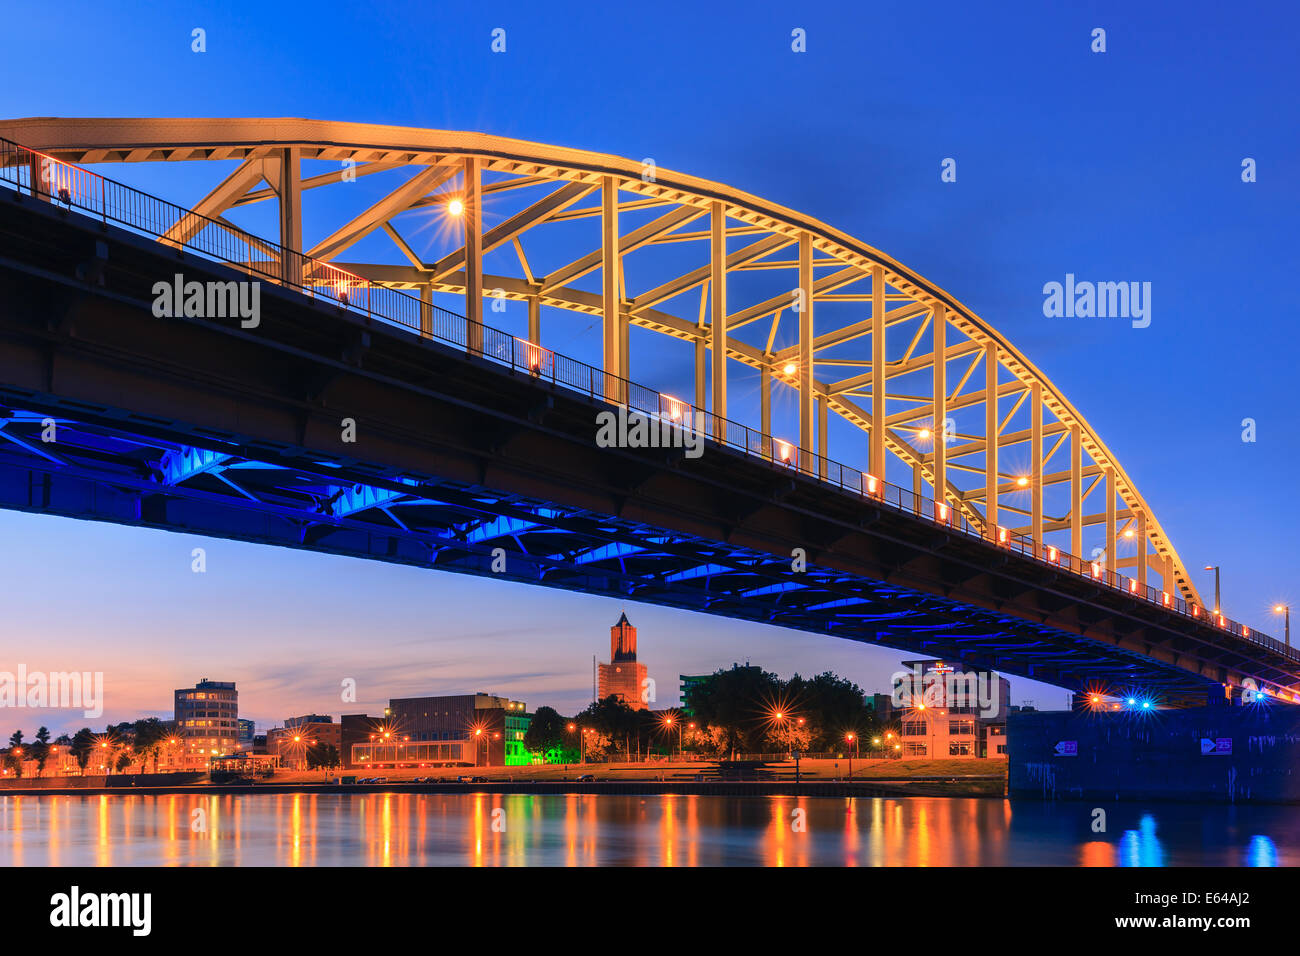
953, 711
291, 742
207, 718
469, 730
357, 729
623, 677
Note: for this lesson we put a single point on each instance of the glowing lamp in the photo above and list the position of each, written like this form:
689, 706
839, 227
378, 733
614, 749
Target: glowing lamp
1022, 481
790, 368
941, 510
1132, 587
455, 207
1002, 536
923, 433
1165, 598
1052, 554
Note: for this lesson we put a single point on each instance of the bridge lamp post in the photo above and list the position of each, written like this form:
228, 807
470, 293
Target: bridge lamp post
1285, 609
1215, 569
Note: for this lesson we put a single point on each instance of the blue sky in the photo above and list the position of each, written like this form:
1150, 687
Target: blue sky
1116, 166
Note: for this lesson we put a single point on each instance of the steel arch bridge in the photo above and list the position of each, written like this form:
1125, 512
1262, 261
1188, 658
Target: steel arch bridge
941, 401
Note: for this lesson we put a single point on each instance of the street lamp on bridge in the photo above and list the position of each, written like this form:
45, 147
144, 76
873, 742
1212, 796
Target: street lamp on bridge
1215, 569
1286, 610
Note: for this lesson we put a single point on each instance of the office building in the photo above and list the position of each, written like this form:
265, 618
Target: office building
207, 718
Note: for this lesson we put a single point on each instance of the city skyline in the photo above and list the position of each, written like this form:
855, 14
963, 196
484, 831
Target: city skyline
267, 698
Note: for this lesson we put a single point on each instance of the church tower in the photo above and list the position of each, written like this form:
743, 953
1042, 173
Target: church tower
622, 641
623, 677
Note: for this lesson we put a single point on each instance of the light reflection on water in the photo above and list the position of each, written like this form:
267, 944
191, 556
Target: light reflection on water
407, 829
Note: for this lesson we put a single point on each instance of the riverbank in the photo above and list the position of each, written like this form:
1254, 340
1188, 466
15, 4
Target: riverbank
962, 778
949, 787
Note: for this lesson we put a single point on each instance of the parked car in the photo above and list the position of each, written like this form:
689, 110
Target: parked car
586, 778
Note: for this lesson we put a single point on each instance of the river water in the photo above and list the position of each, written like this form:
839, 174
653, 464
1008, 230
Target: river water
401, 829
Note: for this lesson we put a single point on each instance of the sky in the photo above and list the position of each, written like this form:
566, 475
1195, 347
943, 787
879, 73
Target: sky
1116, 166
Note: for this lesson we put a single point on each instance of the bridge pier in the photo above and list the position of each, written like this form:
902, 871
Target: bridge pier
1219, 753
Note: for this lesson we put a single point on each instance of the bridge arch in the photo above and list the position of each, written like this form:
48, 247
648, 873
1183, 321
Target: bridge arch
911, 331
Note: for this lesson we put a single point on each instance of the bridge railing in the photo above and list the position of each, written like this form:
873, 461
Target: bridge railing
55, 181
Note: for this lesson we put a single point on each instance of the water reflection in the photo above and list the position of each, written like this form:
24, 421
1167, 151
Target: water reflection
405, 829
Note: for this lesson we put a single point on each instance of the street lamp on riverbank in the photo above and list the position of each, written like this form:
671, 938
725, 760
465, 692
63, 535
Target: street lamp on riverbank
1285, 609
582, 741
668, 722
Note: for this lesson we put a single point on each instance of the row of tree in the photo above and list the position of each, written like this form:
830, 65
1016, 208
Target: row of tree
123, 744
741, 710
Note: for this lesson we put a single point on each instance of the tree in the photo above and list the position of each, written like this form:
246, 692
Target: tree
546, 732
83, 744
148, 735
613, 720
323, 755
15, 755
40, 750
831, 707
736, 701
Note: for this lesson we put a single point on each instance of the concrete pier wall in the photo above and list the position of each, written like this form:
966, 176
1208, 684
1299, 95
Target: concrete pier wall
1237, 754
